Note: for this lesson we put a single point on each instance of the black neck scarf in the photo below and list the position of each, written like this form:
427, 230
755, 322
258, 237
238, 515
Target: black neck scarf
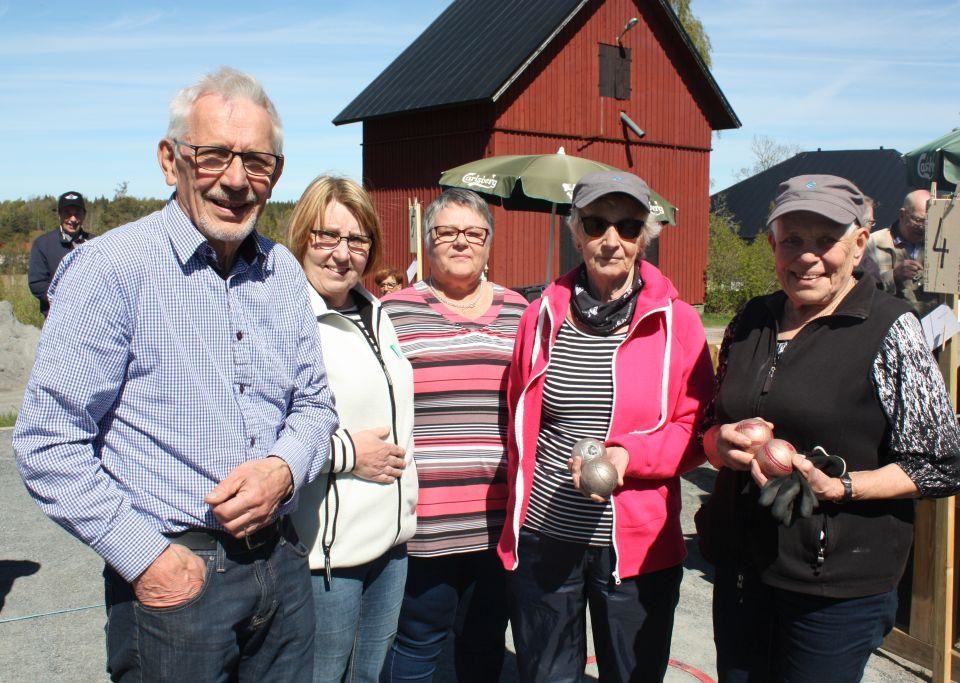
599, 317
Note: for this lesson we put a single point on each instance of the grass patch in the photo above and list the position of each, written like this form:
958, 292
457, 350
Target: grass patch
7, 419
26, 309
715, 319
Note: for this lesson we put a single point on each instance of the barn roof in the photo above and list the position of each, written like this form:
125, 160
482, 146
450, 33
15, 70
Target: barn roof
879, 173
475, 50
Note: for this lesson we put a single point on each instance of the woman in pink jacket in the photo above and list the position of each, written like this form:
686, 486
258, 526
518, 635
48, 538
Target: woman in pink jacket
608, 352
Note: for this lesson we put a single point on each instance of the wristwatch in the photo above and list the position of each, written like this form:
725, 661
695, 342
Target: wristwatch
847, 488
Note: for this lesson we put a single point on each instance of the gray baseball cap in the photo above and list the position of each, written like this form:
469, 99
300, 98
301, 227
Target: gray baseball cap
595, 185
830, 196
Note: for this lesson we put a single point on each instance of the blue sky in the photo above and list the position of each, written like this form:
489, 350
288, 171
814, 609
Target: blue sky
84, 86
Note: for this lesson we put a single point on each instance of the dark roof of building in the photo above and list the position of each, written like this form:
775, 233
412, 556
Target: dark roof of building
475, 50
879, 173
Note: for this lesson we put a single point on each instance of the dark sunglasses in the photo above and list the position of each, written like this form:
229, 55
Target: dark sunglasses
596, 226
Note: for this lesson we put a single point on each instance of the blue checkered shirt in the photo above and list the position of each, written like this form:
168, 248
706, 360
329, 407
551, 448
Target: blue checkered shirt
155, 378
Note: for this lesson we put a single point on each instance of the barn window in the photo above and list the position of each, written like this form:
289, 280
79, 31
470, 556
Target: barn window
614, 72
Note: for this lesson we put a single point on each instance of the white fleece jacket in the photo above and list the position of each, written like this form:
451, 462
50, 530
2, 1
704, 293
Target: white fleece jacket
342, 518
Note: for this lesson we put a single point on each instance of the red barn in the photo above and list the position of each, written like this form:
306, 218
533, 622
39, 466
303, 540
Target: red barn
527, 77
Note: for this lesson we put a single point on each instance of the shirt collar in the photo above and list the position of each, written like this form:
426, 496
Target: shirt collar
898, 240
188, 241
79, 238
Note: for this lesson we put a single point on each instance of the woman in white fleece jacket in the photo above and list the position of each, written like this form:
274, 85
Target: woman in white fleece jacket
356, 517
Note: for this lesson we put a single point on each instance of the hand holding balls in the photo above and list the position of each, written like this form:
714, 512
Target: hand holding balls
598, 476
774, 456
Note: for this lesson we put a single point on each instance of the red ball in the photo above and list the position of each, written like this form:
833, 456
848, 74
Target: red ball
776, 458
757, 431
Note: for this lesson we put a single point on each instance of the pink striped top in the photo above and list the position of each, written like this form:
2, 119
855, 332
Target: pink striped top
460, 427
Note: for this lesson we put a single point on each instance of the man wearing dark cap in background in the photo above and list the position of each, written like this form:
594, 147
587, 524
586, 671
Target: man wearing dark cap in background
50, 248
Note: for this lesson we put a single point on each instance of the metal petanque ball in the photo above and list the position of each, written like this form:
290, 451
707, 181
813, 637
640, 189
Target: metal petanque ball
598, 476
589, 448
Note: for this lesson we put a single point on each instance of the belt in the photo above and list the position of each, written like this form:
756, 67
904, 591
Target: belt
208, 539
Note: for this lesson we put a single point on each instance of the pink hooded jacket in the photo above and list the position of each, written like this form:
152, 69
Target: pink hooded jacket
663, 380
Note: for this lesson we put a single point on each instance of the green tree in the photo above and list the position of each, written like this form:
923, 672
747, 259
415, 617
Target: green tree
694, 28
737, 271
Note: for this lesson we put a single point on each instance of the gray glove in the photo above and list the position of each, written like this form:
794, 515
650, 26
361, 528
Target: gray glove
790, 496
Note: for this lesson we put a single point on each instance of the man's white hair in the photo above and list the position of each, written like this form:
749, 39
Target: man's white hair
228, 83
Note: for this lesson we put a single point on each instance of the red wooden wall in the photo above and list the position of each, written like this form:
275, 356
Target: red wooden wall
556, 103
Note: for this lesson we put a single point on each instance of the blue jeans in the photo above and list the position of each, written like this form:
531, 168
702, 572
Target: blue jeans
252, 621
549, 593
770, 634
357, 617
465, 592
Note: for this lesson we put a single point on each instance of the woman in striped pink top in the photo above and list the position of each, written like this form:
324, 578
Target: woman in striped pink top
457, 330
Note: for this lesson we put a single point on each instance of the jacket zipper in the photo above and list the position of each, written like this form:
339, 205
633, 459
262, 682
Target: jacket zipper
328, 527
331, 480
374, 332
613, 371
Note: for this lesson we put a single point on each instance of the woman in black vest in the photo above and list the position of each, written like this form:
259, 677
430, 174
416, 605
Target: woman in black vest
806, 588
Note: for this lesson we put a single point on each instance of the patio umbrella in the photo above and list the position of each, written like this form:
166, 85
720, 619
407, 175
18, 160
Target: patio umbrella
537, 182
938, 160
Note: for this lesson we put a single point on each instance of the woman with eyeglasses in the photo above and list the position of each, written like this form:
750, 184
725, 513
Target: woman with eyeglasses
356, 517
458, 332
388, 280
608, 352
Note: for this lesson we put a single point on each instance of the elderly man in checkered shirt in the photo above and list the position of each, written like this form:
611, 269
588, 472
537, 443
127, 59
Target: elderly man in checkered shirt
192, 407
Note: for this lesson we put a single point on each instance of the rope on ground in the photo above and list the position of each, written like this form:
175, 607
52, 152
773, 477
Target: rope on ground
50, 614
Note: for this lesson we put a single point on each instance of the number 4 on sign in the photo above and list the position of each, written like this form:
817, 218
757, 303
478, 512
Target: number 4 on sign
941, 263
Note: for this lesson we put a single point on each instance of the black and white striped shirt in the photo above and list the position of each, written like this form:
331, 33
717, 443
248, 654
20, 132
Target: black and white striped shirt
577, 402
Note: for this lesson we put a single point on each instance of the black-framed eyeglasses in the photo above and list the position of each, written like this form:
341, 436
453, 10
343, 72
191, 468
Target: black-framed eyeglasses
628, 228
474, 234
330, 240
218, 159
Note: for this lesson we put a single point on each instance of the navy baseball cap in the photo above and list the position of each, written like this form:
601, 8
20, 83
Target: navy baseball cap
71, 198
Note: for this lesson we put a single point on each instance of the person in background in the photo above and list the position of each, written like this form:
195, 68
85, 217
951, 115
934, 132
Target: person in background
388, 280
867, 264
898, 252
458, 332
192, 410
49, 249
357, 516
807, 568
609, 352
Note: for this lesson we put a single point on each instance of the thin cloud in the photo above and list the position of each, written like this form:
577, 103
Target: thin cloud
130, 22
119, 40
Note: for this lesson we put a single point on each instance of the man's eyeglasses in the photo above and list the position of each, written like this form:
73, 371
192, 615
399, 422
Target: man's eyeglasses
596, 226
330, 240
218, 159
474, 234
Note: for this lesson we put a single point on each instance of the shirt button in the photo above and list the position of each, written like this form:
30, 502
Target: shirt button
253, 441
239, 335
241, 388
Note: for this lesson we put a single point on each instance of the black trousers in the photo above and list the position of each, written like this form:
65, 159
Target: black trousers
549, 592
